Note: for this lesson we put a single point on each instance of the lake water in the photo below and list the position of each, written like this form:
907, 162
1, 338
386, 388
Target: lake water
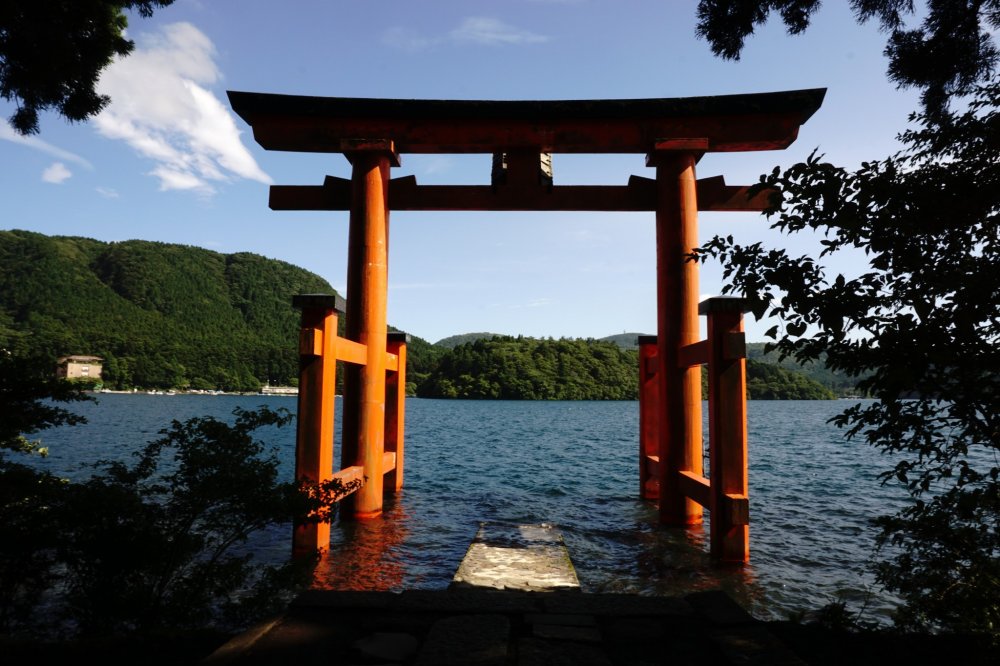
573, 465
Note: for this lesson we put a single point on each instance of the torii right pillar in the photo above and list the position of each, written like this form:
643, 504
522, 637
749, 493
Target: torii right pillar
677, 324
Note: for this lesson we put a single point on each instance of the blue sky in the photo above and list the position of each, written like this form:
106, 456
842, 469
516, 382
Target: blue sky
169, 161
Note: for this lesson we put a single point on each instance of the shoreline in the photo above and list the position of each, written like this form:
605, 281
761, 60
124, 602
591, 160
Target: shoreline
285, 391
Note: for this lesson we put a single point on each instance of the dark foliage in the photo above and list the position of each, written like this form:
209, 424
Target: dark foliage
29, 402
919, 328
771, 382
77, 40
160, 545
28, 393
155, 544
945, 57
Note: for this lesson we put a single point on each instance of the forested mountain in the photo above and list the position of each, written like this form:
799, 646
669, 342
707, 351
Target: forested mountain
771, 382
625, 340
181, 317
161, 315
453, 341
505, 367
839, 383
509, 368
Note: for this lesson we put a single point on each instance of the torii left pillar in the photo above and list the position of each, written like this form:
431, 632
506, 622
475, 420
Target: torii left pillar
679, 389
367, 298
316, 403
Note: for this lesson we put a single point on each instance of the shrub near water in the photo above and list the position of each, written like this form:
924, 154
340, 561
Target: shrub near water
149, 547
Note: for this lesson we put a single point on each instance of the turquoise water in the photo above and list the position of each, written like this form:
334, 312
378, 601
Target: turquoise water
573, 465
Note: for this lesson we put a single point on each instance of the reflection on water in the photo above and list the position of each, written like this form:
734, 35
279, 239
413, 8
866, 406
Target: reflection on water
366, 555
573, 465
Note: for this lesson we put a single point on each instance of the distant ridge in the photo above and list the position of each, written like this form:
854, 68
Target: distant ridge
453, 341
169, 316
625, 340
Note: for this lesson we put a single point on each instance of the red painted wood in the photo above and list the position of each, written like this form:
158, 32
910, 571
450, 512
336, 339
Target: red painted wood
395, 414
352, 352
729, 530
693, 354
649, 418
697, 488
675, 133
405, 194
367, 291
764, 121
315, 421
388, 462
677, 327
350, 475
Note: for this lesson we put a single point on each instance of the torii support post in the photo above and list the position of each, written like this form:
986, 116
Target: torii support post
395, 409
730, 504
681, 448
649, 418
316, 403
367, 293
725, 493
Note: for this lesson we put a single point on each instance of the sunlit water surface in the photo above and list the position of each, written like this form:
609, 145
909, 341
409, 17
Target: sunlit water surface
573, 465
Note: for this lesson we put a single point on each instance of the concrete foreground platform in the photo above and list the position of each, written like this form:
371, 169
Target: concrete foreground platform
491, 627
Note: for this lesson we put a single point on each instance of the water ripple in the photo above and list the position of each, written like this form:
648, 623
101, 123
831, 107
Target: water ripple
573, 465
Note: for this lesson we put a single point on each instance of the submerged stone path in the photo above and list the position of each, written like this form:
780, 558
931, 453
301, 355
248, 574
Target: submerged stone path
515, 601
517, 557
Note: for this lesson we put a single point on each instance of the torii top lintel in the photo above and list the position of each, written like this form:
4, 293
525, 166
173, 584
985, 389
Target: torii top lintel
723, 123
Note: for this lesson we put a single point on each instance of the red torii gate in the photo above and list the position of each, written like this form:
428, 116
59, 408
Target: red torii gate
673, 133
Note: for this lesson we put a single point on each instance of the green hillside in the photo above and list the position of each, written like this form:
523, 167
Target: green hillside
771, 382
179, 317
836, 382
509, 368
453, 341
624, 340
161, 315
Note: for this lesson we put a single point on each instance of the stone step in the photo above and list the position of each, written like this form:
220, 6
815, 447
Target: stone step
517, 557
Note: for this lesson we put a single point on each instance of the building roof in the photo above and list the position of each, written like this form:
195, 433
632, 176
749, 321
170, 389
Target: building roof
79, 358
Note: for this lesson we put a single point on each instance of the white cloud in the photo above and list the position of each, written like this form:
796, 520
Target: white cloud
162, 107
491, 31
8, 133
473, 30
57, 173
107, 192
